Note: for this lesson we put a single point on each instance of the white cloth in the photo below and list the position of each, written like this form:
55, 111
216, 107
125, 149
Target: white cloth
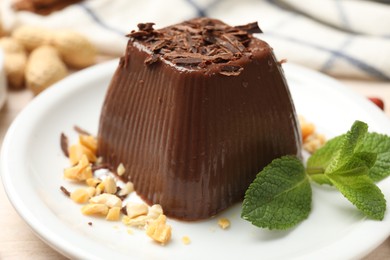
347, 38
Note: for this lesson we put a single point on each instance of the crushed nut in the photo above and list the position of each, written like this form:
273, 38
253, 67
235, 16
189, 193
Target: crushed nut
307, 128
89, 142
139, 222
80, 195
224, 223
186, 240
113, 214
155, 211
95, 209
158, 230
81, 172
100, 188
76, 151
312, 141
93, 182
126, 189
136, 209
109, 200
109, 185
121, 169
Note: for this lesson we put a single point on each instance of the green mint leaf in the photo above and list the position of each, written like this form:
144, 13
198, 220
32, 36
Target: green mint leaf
320, 160
360, 160
362, 192
380, 144
354, 137
280, 196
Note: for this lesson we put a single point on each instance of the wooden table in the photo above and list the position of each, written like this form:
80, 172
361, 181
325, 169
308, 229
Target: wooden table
17, 241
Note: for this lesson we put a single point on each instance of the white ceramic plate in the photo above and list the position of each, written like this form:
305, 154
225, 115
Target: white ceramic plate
32, 165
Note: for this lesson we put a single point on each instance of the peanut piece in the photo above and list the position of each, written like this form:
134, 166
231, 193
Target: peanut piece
109, 200
76, 151
109, 185
93, 182
127, 189
136, 209
139, 222
186, 240
89, 142
76, 50
121, 169
155, 211
80, 195
158, 230
224, 223
113, 214
95, 209
100, 188
81, 172
44, 68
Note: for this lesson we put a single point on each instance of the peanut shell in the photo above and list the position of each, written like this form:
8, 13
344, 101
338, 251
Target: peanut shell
44, 67
76, 50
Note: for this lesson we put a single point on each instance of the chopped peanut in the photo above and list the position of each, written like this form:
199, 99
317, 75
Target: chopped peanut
91, 191
76, 151
224, 223
89, 142
158, 230
136, 209
186, 240
127, 189
155, 211
114, 214
109, 185
80, 195
100, 188
93, 182
139, 222
314, 142
95, 209
109, 200
121, 169
80, 172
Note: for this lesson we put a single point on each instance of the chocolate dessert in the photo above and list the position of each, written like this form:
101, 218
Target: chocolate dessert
194, 111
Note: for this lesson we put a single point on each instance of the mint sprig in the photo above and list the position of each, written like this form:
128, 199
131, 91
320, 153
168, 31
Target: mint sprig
280, 195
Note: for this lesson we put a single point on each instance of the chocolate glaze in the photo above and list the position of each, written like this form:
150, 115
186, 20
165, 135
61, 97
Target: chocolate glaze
193, 134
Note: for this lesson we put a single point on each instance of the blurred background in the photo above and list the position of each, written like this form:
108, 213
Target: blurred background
345, 39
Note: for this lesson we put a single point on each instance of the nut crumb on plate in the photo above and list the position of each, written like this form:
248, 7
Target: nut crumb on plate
224, 223
186, 240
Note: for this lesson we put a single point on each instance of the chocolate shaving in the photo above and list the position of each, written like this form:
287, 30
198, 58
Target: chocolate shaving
64, 144
187, 61
231, 70
148, 27
250, 28
80, 131
152, 59
282, 61
124, 210
197, 43
65, 191
90, 223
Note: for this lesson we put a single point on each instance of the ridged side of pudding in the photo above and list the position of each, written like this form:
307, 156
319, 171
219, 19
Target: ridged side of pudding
194, 111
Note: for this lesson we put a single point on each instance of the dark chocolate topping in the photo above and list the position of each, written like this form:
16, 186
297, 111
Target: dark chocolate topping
197, 43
